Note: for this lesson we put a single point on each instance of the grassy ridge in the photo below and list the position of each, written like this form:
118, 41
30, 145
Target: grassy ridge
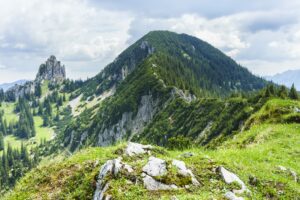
254, 154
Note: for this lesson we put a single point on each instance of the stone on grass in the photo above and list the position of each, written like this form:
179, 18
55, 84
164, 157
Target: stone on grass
230, 177
294, 175
154, 185
282, 168
232, 196
291, 172
187, 154
110, 167
184, 171
155, 167
133, 149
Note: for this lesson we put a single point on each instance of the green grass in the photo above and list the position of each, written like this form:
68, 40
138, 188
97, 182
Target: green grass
9, 114
271, 145
42, 133
45, 88
72, 178
13, 141
256, 152
276, 111
259, 151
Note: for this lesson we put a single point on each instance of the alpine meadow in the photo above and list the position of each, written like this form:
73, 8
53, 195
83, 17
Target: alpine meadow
176, 114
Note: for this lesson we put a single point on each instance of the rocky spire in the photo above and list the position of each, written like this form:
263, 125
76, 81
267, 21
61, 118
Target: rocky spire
51, 70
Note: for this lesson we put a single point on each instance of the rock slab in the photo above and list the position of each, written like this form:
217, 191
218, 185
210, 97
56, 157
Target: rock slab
155, 167
133, 149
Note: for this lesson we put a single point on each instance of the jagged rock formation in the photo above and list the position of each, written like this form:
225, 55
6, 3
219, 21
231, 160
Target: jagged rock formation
17, 91
52, 70
129, 123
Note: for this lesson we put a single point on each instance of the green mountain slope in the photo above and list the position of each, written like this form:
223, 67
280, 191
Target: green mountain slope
183, 61
169, 90
147, 77
265, 157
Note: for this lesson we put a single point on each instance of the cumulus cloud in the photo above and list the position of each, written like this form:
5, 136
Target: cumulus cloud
72, 30
2, 66
87, 34
255, 39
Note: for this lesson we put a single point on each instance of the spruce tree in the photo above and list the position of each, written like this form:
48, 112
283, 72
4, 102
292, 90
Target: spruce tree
282, 92
293, 93
1, 141
25, 126
38, 90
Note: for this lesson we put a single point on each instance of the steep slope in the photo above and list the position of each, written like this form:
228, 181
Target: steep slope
265, 158
182, 124
145, 78
196, 64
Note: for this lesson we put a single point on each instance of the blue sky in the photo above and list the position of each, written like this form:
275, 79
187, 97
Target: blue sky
262, 35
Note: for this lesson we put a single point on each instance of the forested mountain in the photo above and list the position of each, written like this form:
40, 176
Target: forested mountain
146, 77
203, 115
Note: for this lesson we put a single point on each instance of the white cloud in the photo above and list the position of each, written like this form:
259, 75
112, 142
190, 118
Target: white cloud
264, 38
87, 34
2, 66
73, 30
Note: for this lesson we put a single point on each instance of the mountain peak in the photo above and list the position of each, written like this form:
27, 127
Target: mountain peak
51, 70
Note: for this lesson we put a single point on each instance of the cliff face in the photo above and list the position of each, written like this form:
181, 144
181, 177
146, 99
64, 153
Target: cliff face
17, 91
52, 70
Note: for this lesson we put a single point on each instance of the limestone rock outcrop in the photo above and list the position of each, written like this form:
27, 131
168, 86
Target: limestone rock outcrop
52, 70
136, 149
156, 175
153, 185
111, 167
155, 167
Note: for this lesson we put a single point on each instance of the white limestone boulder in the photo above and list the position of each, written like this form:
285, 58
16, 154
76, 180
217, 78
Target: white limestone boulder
155, 167
184, 171
110, 167
154, 185
230, 177
232, 196
133, 149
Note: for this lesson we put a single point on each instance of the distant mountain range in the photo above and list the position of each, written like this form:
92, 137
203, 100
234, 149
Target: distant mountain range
287, 78
6, 86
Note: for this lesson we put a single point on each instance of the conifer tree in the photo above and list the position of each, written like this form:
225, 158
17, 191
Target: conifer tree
293, 93
1, 141
38, 90
282, 92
